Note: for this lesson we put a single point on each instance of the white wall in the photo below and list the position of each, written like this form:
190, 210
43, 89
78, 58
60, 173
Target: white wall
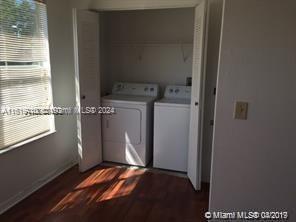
81, 4
24, 169
254, 160
153, 52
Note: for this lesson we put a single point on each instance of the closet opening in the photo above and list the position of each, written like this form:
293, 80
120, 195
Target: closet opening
149, 65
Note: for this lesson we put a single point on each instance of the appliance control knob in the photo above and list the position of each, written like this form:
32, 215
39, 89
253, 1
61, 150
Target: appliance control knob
146, 89
177, 90
171, 90
118, 87
151, 89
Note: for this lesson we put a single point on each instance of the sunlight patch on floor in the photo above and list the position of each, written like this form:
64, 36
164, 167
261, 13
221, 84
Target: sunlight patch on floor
120, 189
67, 202
101, 185
99, 176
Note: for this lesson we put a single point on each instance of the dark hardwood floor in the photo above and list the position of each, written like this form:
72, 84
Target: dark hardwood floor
112, 194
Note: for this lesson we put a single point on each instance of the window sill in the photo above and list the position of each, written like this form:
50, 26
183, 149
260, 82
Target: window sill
20, 144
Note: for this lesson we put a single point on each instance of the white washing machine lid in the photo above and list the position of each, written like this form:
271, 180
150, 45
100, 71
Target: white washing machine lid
173, 102
128, 99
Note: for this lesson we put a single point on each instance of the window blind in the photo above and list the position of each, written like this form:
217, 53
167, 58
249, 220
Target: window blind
24, 70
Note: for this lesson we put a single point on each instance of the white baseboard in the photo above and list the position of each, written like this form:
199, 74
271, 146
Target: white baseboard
7, 204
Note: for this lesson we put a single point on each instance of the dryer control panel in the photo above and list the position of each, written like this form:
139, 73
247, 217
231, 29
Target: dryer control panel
135, 89
177, 92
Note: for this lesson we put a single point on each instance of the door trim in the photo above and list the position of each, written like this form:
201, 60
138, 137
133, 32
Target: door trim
115, 5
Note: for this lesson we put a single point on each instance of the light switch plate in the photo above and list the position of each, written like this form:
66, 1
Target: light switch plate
241, 110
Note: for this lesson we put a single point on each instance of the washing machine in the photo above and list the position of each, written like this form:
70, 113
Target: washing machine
127, 134
171, 129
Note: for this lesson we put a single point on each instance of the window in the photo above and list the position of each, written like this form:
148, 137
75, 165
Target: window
24, 71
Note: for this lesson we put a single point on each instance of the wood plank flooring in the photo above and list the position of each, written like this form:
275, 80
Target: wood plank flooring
113, 194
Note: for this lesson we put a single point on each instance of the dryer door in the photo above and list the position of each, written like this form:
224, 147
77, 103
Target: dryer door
123, 127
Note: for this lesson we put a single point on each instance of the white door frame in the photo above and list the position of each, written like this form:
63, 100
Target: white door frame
113, 5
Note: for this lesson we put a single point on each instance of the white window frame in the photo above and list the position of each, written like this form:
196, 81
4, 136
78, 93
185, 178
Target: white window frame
51, 120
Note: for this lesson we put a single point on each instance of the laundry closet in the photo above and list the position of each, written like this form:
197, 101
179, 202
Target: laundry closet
146, 46
151, 53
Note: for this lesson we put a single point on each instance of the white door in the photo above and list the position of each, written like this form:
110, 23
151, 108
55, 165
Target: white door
86, 48
198, 70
